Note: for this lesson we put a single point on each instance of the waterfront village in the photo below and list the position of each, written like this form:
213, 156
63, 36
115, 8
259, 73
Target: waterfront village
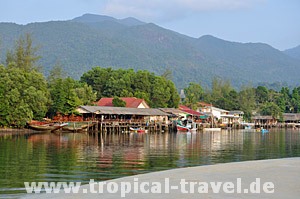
137, 116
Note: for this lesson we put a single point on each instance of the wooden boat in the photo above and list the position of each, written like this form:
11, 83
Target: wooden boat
182, 128
137, 130
45, 126
75, 128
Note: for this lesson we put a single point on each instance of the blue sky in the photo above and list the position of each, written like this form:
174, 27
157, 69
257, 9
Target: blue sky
275, 22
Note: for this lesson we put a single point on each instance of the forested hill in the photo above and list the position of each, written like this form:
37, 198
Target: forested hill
293, 52
93, 40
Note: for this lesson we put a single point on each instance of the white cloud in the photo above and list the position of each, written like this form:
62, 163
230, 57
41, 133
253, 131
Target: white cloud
171, 9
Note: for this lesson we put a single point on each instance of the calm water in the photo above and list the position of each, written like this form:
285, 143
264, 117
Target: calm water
81, 157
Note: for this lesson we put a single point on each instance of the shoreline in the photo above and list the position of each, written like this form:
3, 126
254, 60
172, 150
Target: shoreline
12, 131
284, 173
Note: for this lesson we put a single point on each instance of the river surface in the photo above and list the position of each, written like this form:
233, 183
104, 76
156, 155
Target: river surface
69, 157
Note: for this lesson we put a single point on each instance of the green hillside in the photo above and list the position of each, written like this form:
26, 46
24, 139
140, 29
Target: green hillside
92, 40
293, 52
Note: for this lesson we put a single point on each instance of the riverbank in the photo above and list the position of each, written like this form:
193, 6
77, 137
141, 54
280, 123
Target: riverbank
284, 174
11, 131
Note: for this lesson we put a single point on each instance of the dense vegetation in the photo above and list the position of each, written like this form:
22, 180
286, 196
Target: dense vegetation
259, 100
25, 94
293, 52
157, 91
23, 90
88, 41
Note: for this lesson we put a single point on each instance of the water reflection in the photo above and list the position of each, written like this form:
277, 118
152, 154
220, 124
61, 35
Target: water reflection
81, 157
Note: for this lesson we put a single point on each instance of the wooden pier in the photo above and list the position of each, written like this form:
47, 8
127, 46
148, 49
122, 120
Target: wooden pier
115, 126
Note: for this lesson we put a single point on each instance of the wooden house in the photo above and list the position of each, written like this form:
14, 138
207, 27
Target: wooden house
264, 120
238, 116
224, 117
292, 118
106, 113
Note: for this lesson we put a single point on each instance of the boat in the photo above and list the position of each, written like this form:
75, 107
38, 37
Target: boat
182, 128
186, 128
73, 127
45, 126
264, 131
248, 127
137, 130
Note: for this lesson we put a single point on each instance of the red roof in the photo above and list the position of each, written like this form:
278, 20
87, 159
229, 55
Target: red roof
188, 110
131, 102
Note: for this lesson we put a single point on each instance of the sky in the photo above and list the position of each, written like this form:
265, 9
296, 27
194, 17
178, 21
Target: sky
275, 22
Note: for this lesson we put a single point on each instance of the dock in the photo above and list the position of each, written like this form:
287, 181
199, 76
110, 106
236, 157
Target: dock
119, 126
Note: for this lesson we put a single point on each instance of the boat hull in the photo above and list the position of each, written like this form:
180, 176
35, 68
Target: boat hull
75, 129
182, 128
137, 130
46, 127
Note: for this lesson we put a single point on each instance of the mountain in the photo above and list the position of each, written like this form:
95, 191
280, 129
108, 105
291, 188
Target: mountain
94, 40
260, 62
92, 18
293, 52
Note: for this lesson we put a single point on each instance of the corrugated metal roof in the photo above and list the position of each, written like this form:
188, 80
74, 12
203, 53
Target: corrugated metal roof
189, 111
263, 117
236, 112
172, 111
291, 116
219, 109
123, 111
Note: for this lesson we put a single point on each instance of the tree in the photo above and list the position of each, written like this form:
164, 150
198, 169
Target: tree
270, 108
55, 73
193, 94
97, 78
141, 82
117, 102
85, 93
174, 96
23, 96
23, 91
160, 93
168, 75
24, 56
67, 94
157, 91
63, 96
246, 101
295, 101
222, 95
141, 85
284, 100
261, 94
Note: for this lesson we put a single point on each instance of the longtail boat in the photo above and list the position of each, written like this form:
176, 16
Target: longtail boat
73, 127
45, 126
182, 128
137, 130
